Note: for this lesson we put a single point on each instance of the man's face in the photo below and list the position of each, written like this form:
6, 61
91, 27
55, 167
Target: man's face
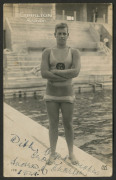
61, 35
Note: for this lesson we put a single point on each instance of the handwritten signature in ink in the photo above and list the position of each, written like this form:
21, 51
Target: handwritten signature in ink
57, 166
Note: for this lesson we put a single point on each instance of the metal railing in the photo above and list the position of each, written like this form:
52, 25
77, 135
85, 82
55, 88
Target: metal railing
104, 48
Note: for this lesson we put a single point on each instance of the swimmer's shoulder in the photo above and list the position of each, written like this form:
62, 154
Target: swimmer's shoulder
47, 51
75, 51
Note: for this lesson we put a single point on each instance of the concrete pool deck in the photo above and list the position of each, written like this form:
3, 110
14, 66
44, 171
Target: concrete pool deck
26, 149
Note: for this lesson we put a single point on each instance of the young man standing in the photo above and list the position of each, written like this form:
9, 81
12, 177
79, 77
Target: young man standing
59, 65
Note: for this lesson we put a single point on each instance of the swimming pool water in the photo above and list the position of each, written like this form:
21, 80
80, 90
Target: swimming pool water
92, 121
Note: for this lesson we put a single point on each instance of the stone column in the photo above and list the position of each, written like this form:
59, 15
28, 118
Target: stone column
110, 14
63, 14
16, 10
94, 17
75, 15
83, 12
54, 11
104, 18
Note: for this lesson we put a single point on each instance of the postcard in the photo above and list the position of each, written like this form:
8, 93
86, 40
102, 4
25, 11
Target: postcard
57, 65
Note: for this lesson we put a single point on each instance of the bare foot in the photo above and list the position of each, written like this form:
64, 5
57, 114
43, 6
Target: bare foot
73, 159
51, 159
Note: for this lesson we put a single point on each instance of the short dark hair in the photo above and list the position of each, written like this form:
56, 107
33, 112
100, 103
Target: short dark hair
61, 25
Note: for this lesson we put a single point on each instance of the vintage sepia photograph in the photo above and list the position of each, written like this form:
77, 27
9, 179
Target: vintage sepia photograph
57, 90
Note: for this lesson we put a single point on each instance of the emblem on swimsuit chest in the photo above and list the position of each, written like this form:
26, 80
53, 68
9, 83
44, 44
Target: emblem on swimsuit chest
60, 66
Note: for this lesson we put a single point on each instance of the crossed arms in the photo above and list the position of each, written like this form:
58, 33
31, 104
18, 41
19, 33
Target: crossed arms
60, 75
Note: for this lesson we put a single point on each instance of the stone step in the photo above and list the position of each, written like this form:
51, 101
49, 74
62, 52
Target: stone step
47, 38
92, 67
23, 82
24, 21
50, 26
23, 78
35, 59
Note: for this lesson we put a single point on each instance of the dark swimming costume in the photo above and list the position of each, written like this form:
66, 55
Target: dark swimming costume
60, 91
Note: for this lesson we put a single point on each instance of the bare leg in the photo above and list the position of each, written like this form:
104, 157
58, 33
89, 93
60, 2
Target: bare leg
53, 115
67, 113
